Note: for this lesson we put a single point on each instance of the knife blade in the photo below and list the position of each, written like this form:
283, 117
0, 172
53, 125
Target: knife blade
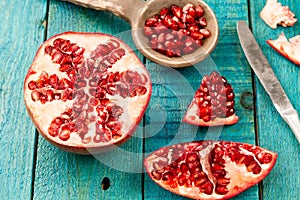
267, 77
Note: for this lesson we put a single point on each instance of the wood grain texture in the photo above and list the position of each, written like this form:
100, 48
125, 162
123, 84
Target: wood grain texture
61, 175
21, 32
173, 90
274, 134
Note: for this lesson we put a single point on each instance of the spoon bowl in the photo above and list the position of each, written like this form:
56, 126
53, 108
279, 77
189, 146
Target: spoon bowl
136, 12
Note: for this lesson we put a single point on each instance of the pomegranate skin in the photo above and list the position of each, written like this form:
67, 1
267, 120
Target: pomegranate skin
59, 99
274, 13
288, 48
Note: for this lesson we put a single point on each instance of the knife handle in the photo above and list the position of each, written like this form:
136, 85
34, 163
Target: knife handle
128, 10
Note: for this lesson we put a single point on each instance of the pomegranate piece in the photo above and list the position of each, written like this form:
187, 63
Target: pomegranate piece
274, 13
177, 31
86, 92
290, 49
213, 103
209, 169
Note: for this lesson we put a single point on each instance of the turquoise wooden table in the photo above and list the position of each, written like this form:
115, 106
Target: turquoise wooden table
30, 168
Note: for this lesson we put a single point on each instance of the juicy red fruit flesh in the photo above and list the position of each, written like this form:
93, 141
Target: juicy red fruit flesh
177, 31
213, 103
209, 169
86, 86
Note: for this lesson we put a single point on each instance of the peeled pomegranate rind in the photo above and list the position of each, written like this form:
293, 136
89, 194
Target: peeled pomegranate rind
190, 118
274, 13
290, 49
86, 92
213, 103
209, 169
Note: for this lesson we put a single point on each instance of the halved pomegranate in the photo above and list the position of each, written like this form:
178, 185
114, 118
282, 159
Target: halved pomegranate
290, 49
274, 13
213, 103
209, 169
86, 92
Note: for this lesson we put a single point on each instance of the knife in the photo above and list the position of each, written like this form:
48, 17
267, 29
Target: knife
268, 79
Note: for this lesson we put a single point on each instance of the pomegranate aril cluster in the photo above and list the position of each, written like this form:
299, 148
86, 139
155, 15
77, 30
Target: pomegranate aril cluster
68, 55
89, 85
177, 31
184, 169
215, 97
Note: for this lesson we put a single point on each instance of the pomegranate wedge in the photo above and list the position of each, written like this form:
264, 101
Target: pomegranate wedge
86, 92
213, 103
209, 169
290, 49
274, 13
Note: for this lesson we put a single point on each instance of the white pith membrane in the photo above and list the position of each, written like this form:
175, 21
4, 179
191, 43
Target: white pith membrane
290, 49
43, 114
192, 119
274, 13
240, 178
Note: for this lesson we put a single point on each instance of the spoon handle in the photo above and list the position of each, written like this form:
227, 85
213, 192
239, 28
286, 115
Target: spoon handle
125, 9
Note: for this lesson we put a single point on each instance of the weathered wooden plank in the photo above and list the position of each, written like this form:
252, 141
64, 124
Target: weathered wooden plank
21, 32
79, 177
173, 90
274, 134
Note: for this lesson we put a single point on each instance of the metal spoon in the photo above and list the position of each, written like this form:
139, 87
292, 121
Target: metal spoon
137, 11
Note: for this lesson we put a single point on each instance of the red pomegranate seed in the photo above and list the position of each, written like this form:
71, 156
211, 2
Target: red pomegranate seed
199, 42
65, 83
203, 22
189, 18
80, 83
77, 51
194, 28
67, 59
64, 133
199, 11
53, 80
53, 132
65, 67
57, 57
196, 35
168, 21
188, 50
32, 85
205, 32
151, 22
177, 11
148, 31
49, 95
78, 59
35, 95
174, 26
191, 11
163, 12
113, 44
